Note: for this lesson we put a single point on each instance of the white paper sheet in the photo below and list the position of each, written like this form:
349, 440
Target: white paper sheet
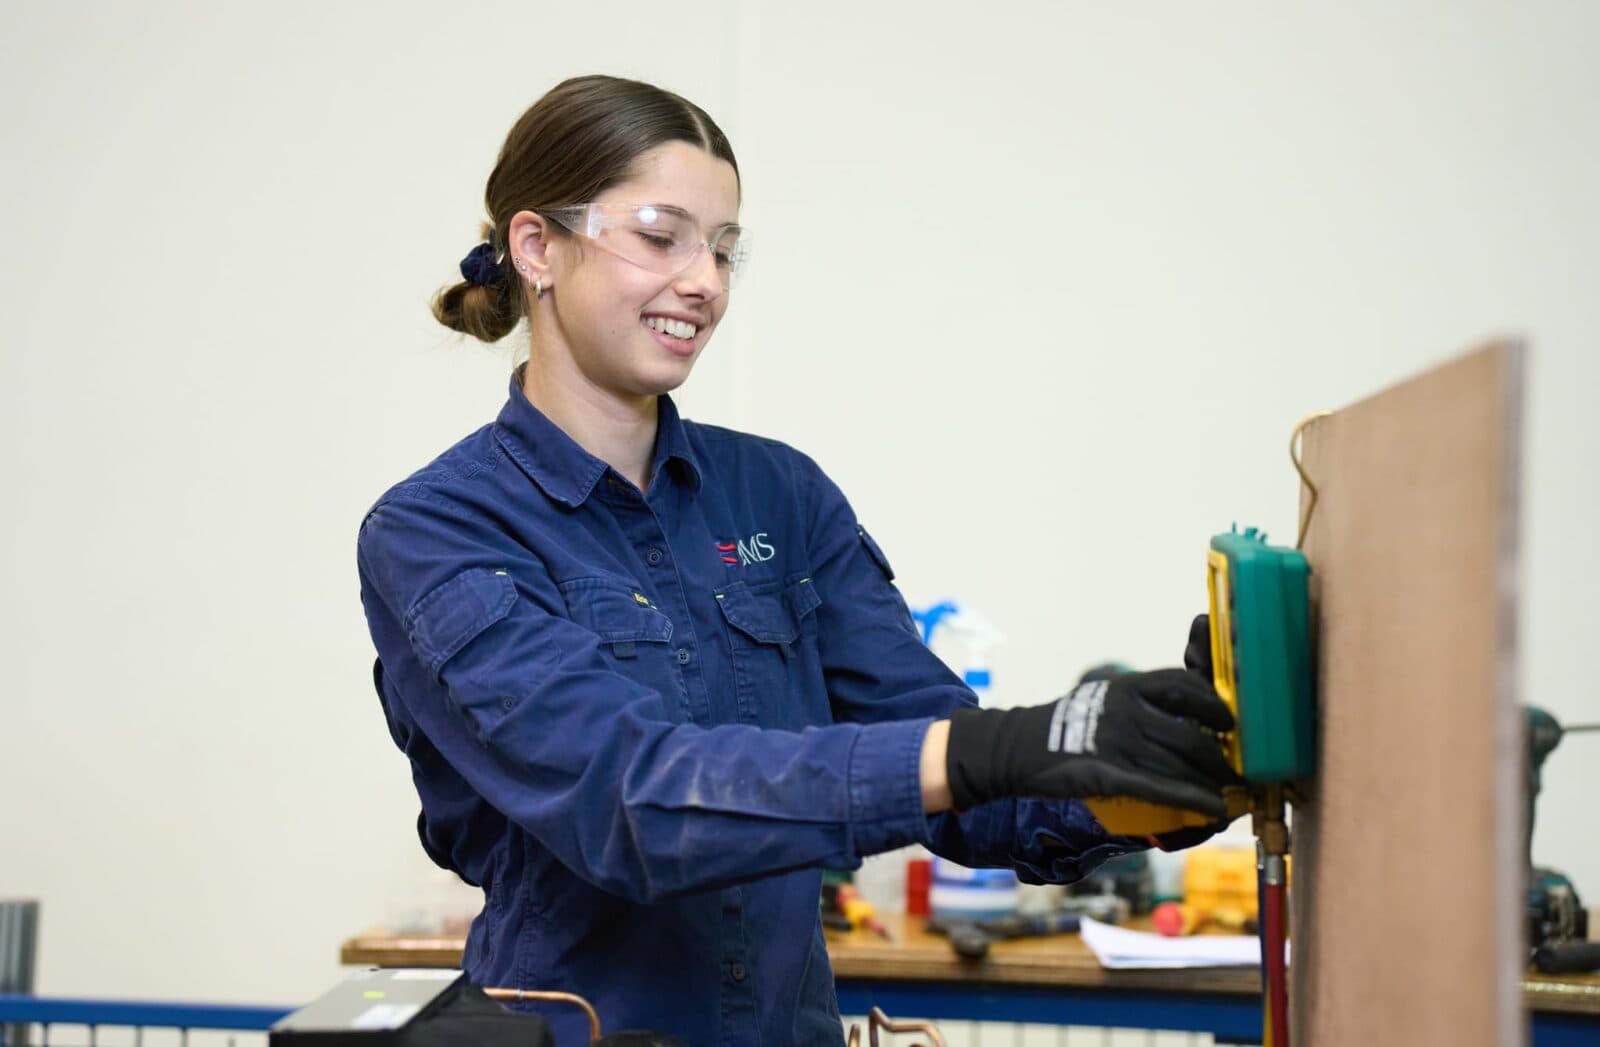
1118, 947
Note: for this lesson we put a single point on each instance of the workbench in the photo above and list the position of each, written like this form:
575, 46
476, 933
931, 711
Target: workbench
1046, 980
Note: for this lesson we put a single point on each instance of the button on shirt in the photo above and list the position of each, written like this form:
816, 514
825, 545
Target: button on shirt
643, 722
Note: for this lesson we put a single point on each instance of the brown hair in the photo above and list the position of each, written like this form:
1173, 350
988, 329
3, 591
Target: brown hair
580, 139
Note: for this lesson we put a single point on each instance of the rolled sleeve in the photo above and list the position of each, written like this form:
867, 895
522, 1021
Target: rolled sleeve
886, 786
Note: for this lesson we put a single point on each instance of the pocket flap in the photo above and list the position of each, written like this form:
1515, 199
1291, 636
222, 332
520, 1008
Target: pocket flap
615, 613
449, 617
768, 616
875, 551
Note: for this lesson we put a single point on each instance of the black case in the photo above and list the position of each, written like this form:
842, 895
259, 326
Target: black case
413, 1008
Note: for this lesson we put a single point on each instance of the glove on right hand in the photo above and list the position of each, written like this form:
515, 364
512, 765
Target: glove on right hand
1145, 735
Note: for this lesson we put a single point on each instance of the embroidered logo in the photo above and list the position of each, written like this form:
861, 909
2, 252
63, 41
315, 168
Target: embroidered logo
755, 549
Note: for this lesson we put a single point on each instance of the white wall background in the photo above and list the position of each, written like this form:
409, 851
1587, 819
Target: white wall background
1044, 285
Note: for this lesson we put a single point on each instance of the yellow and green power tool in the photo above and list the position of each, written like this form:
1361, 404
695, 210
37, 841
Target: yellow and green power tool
1262, 667
1261, 660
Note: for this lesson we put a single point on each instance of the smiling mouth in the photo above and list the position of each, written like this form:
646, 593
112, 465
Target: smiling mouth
681, 330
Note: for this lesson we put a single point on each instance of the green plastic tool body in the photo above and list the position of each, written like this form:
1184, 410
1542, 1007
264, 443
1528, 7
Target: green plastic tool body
1261, 606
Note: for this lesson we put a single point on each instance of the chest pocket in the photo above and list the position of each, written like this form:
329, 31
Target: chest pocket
777, 668
635, 637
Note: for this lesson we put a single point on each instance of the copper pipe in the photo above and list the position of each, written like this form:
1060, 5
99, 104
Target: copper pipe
551, 997
877, 1018
1299, 467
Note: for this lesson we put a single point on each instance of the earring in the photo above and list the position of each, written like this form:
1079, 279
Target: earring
538, 287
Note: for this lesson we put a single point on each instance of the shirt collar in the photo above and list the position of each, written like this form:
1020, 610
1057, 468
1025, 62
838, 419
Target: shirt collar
672, 445
563, 469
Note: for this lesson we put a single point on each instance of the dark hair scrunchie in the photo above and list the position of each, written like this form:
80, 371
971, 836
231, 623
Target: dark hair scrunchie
481, 268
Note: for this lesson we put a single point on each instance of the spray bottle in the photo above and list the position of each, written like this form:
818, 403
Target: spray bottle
962, 638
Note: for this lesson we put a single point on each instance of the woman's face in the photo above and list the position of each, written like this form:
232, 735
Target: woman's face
604, 307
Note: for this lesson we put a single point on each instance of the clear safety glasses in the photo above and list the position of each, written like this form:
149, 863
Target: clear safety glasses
657, 237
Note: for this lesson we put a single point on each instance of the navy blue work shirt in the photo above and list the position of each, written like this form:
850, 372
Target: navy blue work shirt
643, 722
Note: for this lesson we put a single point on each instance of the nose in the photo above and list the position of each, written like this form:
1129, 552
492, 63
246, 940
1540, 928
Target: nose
701, 278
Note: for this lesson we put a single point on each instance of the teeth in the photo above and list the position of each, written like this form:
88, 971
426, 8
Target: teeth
676, 328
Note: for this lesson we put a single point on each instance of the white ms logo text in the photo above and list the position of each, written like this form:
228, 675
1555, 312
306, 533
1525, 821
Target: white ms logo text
754, 549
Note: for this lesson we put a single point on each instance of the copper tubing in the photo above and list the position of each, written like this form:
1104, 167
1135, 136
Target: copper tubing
1299, 467
877, 1018
551, 997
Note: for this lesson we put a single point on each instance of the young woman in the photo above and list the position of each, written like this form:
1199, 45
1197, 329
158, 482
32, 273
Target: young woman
652, 676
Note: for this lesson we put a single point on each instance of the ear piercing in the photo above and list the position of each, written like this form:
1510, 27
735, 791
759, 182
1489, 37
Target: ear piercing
538, 282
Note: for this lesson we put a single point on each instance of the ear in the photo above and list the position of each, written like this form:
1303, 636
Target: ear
529, 239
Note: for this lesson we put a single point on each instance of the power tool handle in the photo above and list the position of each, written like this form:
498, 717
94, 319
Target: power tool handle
1570, 958
1032, 926
1056, 923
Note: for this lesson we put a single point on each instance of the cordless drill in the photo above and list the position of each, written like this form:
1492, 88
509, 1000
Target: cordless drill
1558, 924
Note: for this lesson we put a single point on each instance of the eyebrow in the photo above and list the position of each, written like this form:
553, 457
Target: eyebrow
684, 213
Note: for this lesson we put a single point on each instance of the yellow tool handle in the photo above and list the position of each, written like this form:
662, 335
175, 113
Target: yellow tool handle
1126, 816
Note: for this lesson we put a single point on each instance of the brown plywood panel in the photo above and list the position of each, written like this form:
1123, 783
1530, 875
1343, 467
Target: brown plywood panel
1407, 879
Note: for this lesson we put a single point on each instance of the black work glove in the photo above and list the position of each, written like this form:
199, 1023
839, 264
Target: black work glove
1197, 659
1141, 734
1197, 656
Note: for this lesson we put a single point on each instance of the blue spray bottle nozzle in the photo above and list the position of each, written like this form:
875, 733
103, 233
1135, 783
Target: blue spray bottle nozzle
974, 636
928, 620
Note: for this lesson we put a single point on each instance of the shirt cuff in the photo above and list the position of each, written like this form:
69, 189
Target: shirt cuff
886, 786
1112, 845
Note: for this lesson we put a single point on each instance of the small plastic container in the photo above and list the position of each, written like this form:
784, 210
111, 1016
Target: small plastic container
960, 893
